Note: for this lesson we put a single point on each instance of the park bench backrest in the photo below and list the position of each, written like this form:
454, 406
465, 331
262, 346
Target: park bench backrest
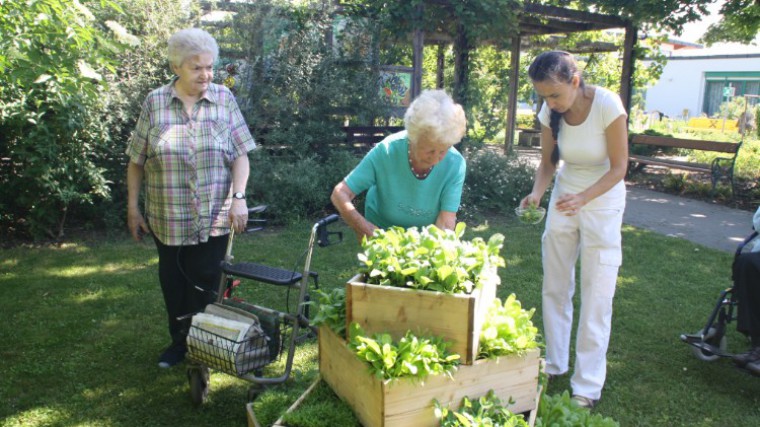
666, 141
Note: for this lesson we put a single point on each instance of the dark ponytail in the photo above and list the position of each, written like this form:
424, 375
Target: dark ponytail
554, 125
557, 66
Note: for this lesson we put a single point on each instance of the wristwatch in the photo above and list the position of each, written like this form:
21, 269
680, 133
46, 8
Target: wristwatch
239, 195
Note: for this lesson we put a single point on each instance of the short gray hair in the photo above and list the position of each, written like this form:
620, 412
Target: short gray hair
436, 116
190, 42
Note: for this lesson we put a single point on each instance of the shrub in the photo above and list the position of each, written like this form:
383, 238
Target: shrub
297, 188
69, 105
494, 183
54, 56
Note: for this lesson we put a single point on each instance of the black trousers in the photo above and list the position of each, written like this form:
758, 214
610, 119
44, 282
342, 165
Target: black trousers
747, 292
181, 271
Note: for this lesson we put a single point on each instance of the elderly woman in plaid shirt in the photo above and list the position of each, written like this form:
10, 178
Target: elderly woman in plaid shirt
189, 151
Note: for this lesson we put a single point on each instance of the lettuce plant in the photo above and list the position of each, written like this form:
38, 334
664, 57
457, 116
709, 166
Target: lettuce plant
487, 411
411, 357
331, 310
507, 329
429, 258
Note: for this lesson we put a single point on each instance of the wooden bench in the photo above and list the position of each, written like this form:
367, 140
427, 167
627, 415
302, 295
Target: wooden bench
720, 167
361, 139
529, 137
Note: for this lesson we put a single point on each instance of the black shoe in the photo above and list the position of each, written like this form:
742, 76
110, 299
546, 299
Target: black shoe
172, 355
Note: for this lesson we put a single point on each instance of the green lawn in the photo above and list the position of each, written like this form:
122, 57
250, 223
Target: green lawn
84, 324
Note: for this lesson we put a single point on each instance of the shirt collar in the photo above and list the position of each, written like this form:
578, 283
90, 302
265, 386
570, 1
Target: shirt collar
209, 95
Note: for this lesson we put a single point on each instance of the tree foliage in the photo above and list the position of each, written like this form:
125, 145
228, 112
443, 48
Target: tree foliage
297, 85
481, 20
72, 76
740, 23
53, 57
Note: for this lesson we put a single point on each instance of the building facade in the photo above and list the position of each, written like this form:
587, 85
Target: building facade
695, 81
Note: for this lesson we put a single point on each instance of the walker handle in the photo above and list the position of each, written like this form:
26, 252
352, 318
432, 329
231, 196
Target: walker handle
323, 236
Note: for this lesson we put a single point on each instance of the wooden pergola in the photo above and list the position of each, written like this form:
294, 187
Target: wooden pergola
540, 20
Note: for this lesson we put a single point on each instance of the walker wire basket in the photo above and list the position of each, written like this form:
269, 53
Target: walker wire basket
237, 348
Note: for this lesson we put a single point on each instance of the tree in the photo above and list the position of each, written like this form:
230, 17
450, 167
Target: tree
740, 23
53, 57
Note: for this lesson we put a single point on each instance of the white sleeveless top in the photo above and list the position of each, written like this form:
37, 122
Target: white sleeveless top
583, 151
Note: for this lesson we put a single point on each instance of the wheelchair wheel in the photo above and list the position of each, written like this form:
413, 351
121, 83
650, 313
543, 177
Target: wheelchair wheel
716, 339
198, 377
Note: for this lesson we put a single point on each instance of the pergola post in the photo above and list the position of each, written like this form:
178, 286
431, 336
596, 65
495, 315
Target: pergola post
514, 80
418, 42
626, 76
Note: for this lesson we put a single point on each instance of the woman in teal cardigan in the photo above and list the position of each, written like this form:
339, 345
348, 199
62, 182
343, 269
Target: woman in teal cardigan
413, 177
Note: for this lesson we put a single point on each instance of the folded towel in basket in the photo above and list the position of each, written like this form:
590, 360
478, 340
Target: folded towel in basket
228, 340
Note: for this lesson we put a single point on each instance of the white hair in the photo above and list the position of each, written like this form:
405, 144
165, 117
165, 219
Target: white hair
190, 42
435, 116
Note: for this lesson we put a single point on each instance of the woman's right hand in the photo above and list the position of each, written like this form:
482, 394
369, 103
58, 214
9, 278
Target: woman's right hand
530, 200
137, 225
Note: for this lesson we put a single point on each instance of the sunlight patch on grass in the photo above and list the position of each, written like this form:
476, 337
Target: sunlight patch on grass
108, 268
9, 263
481, 227
40, 416
625, 281
89, 295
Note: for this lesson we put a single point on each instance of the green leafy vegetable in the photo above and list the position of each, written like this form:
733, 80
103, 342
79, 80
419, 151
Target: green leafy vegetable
483, 412
412, 357
430, 258
331, 310
560, 410
507, 329
531, 215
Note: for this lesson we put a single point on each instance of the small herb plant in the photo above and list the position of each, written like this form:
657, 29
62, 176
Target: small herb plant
412, 357
331, 310
560, 410
485, 411
429, 258
507, 329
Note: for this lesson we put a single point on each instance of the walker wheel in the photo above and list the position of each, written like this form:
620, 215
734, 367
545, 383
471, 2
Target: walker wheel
715, 339
198, 377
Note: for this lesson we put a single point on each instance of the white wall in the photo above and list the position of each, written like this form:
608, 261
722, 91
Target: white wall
682, 83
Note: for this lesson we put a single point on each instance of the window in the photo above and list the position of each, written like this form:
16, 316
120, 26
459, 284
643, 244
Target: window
740, 83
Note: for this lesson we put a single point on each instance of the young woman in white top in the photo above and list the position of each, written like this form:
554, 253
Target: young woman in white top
585, 127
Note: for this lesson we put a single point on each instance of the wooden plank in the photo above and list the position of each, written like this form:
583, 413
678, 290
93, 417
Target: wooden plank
408, 402
349, 378
252, 421
372, 130
296, 404
696, 167
694, 144
456, 318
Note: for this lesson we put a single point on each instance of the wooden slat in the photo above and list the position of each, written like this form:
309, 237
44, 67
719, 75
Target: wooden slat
675, 164
408, 402
694, 144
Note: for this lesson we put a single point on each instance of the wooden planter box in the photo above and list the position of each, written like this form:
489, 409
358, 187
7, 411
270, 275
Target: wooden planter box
388, 309
404, 402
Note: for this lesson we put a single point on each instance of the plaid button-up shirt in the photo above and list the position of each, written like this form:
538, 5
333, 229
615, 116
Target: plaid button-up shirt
188, 162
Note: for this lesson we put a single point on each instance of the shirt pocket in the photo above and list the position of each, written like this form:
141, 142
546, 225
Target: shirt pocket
610, 258
166, 145
215, 143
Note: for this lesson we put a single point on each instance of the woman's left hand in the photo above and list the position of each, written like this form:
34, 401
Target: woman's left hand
570, 204
239, 215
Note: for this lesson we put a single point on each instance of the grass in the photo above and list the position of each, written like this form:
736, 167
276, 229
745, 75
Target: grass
84, 324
